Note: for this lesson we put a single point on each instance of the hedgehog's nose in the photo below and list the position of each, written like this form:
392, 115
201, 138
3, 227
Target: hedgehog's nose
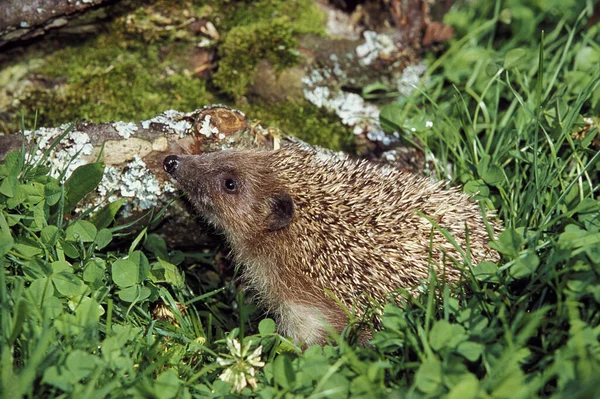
171, 163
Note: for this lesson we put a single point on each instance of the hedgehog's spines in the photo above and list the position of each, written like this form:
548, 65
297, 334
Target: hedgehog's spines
352, 228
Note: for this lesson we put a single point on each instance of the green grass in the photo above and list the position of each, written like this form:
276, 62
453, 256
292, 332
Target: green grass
76, 317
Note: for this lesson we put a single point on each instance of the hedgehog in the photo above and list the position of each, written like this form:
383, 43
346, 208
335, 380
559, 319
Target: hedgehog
312, 230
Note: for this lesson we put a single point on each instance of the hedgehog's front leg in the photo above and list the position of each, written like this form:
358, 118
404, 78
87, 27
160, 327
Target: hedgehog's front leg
307, 323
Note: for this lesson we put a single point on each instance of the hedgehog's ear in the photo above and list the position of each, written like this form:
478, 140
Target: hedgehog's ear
282, 211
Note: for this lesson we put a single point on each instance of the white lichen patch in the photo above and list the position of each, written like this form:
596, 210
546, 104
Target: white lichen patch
376, 45
389, 156
64, 158
174, 120
339, 24
135, 182
337, 67
319, 95
351, 108
353, 111
410, 78
207, 129
313, 78
131, 180
125, 129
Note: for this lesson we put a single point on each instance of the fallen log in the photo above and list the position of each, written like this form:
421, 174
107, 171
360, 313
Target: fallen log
133, 153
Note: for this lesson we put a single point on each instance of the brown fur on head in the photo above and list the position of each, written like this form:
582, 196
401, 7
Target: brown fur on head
236, 191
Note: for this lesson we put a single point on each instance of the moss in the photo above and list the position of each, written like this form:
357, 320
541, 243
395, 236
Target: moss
305, 16
135, 70
162, 20
105, 82
258, 30
302, 120
245, 46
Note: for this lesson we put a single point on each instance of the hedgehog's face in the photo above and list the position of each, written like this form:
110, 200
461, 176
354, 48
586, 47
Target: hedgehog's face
234, 190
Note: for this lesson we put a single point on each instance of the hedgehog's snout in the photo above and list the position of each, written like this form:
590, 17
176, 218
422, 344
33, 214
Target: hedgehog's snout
171, 163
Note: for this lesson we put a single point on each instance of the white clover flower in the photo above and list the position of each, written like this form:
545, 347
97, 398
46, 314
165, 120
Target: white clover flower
240, 370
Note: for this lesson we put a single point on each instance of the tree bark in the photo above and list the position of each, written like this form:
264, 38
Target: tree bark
20, 20
134, 153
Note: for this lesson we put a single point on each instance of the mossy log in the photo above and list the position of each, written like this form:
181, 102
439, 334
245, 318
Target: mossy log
133, 155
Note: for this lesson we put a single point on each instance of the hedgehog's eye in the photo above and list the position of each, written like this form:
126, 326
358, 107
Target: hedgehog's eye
230, 186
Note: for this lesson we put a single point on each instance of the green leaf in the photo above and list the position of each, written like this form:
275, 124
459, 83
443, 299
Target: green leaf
141, 261
157, 245
61, 266
444, 334
40, 290
9, 186
509, 243
266, 326
38, 217
283, 372
6, 239
525, 266
468, 388
428, 378
36, 268
49, 235
389, 117
476, 187
88, 312
470, 350
61, 381
135, 293
473, 319
19, 197
35, 192
490, 173
515, 57
588, 205
14, 162
80, 364
104, 217
52, 193
493, 175
81, 230
587, 59
486, 272
374, 88
511, 381
52, 307
21, 313
125, 273
103, 238
165, 272
576, 238
40, 173
28, 251
6, 243
68, 284
168, 385
27, 194
94, 270
83, 181
68, 248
